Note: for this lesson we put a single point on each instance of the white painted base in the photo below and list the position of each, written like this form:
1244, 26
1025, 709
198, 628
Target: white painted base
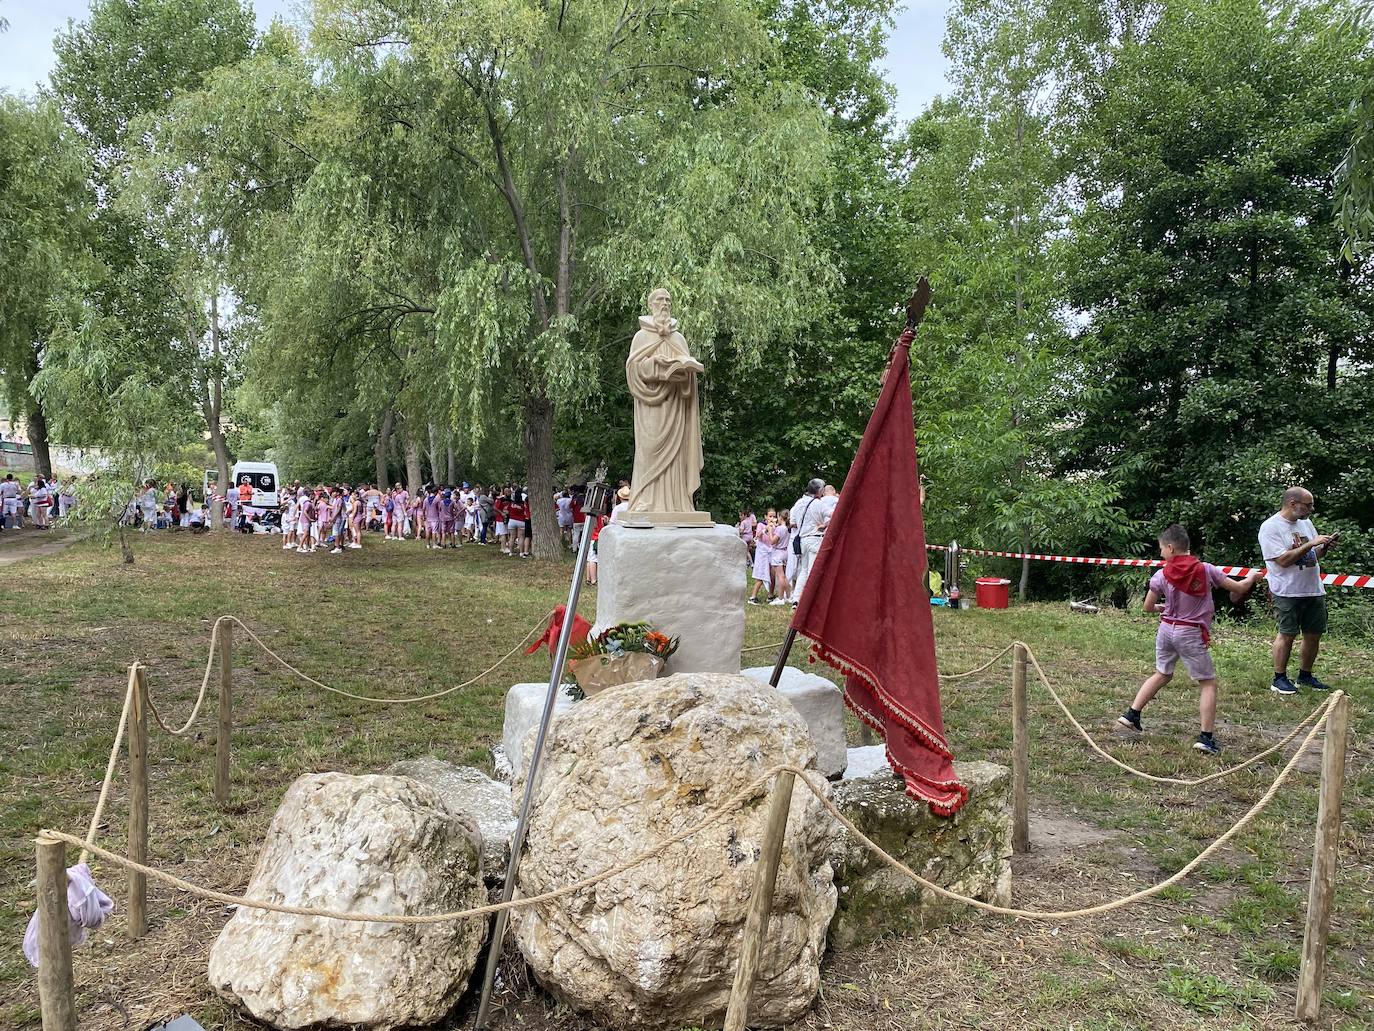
821, 704
524, 707
687, 581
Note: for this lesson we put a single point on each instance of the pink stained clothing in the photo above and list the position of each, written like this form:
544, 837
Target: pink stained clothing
763, 553
1188, 608
87, 908
307, 516
1174, 642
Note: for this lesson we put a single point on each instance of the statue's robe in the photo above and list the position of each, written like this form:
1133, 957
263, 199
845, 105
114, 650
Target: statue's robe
668, 455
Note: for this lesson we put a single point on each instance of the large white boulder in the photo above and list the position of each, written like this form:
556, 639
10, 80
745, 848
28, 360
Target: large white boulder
821, 704
470, 792
687, 581
373, 844
656, 947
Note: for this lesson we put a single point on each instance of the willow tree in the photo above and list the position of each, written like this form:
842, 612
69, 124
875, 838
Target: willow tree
457, 194
44, 251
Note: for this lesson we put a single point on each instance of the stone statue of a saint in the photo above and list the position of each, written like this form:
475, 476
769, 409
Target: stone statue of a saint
663, 381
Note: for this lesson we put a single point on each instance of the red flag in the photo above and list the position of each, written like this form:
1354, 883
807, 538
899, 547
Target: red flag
580, 629
864, 607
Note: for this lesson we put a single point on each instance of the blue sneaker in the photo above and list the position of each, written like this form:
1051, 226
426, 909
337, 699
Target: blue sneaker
1204, 743
1308, 680
1282, 685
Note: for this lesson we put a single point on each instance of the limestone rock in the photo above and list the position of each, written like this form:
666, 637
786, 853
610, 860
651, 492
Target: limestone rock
821, 704
372, 844
969, 852
687, 581
657, 946
524, 707
470, 792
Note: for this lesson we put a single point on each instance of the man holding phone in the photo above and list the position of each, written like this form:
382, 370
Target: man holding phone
1291, 547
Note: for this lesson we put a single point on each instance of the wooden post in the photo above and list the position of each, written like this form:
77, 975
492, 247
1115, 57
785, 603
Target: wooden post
55, 999
1020, 754
1323, 884
138, 801
224, 641
760, 906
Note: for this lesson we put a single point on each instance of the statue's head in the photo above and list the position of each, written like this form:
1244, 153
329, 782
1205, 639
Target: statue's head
661, 306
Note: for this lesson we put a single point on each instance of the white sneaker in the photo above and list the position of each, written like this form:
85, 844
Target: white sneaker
287, 547
355, 544
337, 551
777, 601
302, 551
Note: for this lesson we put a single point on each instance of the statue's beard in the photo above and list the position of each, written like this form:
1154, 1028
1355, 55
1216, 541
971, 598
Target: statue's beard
663, 322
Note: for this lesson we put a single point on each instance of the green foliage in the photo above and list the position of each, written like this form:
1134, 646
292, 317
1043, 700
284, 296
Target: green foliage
1226, 342
44, 247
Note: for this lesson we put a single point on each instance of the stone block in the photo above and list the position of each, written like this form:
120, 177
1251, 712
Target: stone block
470, 793
656, 947
524, 707
821, 705
969, 852
687, 581
374, 844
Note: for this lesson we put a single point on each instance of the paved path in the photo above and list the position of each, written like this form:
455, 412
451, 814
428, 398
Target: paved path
20, 545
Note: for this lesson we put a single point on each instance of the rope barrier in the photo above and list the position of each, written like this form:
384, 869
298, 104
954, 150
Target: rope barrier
819, 789
1180, 781
379, 700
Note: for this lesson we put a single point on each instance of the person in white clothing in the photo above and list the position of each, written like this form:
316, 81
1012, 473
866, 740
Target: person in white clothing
9, 502
810, 516
1291, 547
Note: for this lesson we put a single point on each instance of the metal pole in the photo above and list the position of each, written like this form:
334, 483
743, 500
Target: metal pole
522, 824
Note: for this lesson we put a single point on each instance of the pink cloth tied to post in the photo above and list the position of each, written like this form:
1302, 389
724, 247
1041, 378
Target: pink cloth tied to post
87, 908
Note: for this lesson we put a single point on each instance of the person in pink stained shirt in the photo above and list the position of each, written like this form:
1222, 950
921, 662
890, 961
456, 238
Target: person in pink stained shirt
762, 539
1185, 629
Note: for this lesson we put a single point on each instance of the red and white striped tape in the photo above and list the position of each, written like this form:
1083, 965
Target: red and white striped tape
1330, 579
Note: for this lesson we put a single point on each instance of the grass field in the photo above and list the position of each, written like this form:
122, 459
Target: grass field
1219, 952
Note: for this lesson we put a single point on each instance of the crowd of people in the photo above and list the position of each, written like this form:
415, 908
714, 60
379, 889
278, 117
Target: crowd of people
38, 504
784, 543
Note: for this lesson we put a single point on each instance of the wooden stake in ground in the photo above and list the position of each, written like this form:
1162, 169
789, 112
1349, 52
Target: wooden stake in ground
224, 641
1323, 886
55, 999
760, 906
1020, 754
138, 801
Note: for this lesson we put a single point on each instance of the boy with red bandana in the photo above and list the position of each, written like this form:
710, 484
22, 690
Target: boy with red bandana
1185, 628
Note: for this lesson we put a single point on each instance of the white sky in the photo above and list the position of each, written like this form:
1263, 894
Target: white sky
914, 65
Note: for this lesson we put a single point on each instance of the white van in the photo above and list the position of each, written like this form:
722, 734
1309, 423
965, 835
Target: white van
262, 477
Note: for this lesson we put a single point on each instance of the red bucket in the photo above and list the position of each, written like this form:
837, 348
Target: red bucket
992, 592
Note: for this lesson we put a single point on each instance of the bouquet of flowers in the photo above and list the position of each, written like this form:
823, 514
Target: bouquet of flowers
620, 654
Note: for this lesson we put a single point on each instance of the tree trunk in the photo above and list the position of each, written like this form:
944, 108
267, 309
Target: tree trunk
452, 465
381, 447
213, 411
436, 475
37, 426
539, 477
414, 481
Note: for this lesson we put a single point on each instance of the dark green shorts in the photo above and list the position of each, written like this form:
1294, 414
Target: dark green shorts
1300, 615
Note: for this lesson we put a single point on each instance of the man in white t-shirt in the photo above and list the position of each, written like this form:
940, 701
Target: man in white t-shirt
810, 516
9, 502
1291, 546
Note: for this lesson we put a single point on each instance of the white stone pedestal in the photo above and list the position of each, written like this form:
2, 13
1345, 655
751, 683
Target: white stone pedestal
687, 581
821, 704
524, 706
